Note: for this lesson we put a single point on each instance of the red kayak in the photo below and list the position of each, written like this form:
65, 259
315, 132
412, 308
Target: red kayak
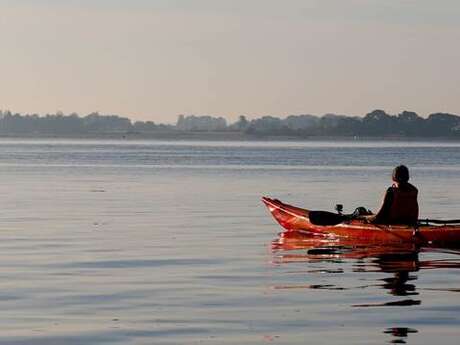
337, 226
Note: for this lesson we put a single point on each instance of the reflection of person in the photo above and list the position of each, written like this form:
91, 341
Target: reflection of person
400, 204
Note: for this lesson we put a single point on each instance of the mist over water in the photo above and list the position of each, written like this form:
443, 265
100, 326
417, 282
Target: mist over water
168, 243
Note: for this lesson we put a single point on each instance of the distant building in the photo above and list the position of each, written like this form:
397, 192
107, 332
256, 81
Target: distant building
201, 123
267, 124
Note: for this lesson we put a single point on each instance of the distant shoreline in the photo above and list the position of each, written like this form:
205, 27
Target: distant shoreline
225, 136
376, 125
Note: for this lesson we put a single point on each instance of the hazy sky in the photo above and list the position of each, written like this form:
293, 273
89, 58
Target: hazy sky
155, 59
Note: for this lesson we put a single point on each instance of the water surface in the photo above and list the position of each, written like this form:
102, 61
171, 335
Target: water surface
168, 243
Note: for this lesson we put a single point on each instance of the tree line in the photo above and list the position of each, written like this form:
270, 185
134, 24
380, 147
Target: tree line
374, 124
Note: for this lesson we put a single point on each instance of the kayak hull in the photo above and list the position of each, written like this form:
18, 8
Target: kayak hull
297, 219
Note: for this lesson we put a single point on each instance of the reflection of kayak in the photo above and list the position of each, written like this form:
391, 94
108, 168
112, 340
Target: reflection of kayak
295, 246
334, 225
339, 247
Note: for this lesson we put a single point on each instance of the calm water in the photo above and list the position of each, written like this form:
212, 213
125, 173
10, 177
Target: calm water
168, 243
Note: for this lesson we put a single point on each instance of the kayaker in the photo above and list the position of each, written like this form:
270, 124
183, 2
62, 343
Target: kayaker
400, 204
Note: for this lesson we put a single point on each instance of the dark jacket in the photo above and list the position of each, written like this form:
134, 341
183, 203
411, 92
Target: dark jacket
400, 206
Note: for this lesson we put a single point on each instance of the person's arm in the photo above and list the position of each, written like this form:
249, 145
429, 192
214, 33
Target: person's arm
382, 215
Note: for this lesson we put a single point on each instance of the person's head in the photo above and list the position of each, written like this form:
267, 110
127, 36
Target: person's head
401, 174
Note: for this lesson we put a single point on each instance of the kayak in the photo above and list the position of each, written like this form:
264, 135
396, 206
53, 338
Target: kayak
332, 225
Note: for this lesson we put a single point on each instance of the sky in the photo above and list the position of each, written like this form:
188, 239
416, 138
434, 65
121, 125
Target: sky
156, 59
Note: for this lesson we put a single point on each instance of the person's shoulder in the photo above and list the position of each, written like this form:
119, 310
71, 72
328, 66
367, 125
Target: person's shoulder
412, 187
390, 190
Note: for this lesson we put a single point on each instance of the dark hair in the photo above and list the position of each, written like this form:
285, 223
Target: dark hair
401, 174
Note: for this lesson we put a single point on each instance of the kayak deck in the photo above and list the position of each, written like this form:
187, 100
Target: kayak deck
297, 219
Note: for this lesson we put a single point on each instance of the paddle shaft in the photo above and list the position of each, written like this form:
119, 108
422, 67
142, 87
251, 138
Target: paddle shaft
439, 221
